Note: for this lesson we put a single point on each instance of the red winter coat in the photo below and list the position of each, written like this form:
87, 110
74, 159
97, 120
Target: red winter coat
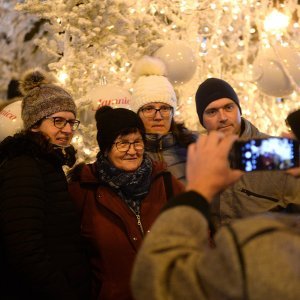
112, 231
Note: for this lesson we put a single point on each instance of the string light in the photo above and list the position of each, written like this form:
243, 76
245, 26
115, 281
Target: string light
62, 76
87, 151
276, 22
113, 69
227, 36
213, 6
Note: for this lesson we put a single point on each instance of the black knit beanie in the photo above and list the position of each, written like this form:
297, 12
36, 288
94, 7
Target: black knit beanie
213, 89
112, 121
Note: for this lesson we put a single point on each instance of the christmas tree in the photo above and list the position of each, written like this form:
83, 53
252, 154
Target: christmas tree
93, 43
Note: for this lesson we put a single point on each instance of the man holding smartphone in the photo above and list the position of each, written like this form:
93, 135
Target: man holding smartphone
253, 258
219, 109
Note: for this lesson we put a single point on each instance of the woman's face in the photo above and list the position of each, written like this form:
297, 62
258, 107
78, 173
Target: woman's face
58, 136
157, 117
127, 160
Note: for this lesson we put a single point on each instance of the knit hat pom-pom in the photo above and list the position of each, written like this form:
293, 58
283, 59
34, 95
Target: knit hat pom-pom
149, 65
34, 78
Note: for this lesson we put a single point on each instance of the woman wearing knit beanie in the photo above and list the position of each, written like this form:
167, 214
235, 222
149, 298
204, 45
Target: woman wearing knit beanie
155, 101
118, 196
41, 256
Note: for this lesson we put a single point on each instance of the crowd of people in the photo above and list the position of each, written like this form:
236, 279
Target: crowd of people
159, 214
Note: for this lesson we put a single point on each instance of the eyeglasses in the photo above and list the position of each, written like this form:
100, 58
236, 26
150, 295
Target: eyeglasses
60, 122
125, 146
150, 111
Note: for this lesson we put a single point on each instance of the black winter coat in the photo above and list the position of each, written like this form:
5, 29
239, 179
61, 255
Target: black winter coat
41, 252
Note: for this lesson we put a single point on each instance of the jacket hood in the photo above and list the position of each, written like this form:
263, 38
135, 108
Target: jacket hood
37, 145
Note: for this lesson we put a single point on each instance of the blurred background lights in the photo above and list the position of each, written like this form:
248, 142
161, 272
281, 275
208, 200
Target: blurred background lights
62, 76
276, 22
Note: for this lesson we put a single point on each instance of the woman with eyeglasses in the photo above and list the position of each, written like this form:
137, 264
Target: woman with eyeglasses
41, 250
118, 196
155, 101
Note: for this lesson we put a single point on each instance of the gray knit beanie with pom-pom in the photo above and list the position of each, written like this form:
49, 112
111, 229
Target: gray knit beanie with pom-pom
42, 97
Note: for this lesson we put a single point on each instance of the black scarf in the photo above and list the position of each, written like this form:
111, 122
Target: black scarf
132, 187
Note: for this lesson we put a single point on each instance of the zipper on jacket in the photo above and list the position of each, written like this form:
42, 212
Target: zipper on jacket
138, 218
161, 158
249, 193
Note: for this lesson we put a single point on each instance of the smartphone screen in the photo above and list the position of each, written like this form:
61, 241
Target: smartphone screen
272, 153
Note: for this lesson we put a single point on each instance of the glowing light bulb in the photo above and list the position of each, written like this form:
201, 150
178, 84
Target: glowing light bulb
77, 139
153, 9
87, 151
276, 22
203, 44
112, 69
62, 76
230, 28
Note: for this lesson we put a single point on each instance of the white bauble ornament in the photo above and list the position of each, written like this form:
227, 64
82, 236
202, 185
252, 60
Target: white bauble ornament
109, 94
270, 76
10, 119
290, 58
180, 61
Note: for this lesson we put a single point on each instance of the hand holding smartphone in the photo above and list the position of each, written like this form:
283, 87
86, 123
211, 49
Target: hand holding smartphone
273, 153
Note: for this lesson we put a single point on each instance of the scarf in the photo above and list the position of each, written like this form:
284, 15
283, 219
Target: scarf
132, 187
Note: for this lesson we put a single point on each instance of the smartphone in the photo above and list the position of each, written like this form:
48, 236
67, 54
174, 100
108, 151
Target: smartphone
273, 153
293, 120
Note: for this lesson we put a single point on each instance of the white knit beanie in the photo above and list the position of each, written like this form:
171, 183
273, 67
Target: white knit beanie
151, 85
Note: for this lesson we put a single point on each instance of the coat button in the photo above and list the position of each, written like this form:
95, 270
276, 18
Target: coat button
134, 238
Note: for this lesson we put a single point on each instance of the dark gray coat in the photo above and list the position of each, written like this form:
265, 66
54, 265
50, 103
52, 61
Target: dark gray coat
256, 192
